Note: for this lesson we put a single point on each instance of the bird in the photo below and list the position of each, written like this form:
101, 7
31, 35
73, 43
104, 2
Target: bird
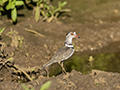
65, 52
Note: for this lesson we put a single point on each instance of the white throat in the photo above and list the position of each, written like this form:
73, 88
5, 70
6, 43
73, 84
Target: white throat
68, 40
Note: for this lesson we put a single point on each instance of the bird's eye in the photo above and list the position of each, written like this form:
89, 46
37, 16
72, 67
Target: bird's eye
72, 33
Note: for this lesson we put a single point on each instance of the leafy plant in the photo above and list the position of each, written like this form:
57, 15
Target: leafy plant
20, 41
1, 5
45, 11
25, 87
46, 85
1, 30
43, 87
12, 6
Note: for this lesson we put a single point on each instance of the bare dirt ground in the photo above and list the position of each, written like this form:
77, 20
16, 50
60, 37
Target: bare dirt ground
37, 50
25, 50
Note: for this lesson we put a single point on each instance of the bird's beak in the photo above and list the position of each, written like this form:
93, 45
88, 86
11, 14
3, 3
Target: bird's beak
77, 36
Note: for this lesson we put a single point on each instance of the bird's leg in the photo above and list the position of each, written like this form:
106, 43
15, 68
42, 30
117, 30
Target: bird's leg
47, 72
63, 70
63, 67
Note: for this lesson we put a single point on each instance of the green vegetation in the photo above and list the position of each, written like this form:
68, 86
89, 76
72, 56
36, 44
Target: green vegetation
11, 5
46, 85
86, 63
1, 30
25, 87
17, 40
43, 10
43, 87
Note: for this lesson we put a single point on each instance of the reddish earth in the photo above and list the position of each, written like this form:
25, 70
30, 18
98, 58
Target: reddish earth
36, 50
29, 45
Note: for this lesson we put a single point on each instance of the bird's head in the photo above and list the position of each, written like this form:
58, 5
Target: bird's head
72, 35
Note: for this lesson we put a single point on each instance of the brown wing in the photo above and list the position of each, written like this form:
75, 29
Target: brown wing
62, 54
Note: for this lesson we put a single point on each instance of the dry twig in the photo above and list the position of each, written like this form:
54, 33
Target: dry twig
33, 31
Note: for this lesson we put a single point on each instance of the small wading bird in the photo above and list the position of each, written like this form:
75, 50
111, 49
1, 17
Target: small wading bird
64, 53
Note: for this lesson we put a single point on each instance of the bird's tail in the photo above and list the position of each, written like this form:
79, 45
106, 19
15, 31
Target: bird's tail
47, 64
